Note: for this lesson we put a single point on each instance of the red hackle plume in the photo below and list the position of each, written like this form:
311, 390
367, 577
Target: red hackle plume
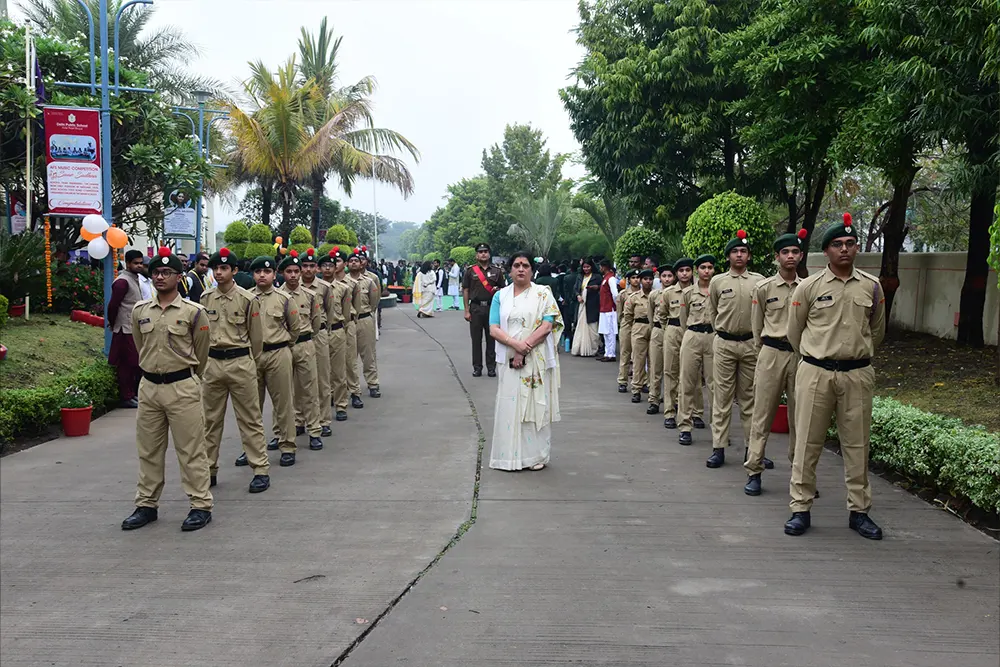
364, 248
223, 252
336, 249
311, 251
741, 234
294, 254
802, 234
848, 220
164, 251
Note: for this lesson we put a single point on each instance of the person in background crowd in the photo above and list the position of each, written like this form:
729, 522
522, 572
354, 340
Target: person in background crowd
197, 277
634, 262
587, 292
696, 348
607, 325
651, 264
454, 283
438, 286
126, 292
243, 277
145, 284
568, 303
424, 287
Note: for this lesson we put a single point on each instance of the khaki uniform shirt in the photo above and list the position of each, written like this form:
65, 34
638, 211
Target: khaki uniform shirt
341, 298
234, 317
670, 304
365, 295
279, 315
654, 304
694, 306
636, 306
837, 319
308, 306
623, 297
170, 339
730, 300
471, 282
772, 298
324, 294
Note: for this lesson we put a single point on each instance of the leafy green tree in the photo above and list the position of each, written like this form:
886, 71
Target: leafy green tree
715, 222
462, 220
538, 221
609, 212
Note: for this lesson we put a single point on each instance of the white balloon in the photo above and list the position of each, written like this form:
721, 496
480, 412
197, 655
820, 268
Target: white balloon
98, 248
95, 224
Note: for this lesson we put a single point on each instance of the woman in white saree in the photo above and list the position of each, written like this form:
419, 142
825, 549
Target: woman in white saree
525, 322
424, 287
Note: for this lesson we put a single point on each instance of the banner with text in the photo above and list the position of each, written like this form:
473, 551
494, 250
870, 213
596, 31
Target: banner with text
73, 160
180, 219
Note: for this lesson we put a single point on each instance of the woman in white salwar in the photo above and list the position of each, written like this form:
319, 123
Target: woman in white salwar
586, 339
525, 322
424, 290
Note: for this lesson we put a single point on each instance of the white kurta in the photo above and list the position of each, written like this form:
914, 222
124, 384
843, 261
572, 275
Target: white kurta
453, 281
425, 286
608, 324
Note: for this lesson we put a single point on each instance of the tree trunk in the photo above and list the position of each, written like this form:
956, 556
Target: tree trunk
318, 183
893, 235
792, 201
266, 194
729, 155
286, 217
815, 191
973, 301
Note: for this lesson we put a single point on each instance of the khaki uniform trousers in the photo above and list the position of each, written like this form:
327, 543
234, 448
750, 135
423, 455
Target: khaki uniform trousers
366, 349
624, 352
351, 359
735, 362
274, 373
775, 374
304, 401
236, 379
696, 359
175, 407
640, 353
338, 368
323, 388
672, 372
655, 365
820, 394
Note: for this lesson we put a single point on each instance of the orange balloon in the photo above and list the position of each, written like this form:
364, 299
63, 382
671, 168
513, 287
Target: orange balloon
88, 236
116, 238
283, 250
278, 240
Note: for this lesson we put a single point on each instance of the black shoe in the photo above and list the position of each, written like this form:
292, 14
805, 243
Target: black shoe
798, 524
315, 444
272, 444
356, 402
645, 389
684, 438
622, 389
300, 430
636, 398
767, 463
492, 372
752, 487
196, 520
131, 403
333, 402
325, 432
717, 459
816, 495
213, 481
698, 422
866, 528
241, 460
139, 518
670, 422
287, 459
653, 409
260, 483
374, 392
477, 372
341, 415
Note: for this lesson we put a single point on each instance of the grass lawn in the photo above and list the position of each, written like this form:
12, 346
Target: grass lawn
44, 347
938, 376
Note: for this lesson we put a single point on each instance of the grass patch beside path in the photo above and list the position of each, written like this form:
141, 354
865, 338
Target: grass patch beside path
45, 347
938, 376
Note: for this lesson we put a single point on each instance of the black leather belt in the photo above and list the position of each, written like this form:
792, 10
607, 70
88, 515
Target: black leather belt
657, 325
167, 378
674, 321
228, 353
725, 335
838, 365
640, 320
304, 338
364, 315
479, 302
322, 327
337, 326
700, 328
268, 347
777, 343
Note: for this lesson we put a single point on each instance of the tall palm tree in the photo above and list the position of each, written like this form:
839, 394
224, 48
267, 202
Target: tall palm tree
538, 221
610, 213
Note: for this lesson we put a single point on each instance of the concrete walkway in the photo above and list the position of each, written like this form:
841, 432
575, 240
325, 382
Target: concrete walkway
625, 551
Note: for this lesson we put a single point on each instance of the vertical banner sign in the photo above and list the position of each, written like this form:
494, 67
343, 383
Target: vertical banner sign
18, 214
179, 216
73, 160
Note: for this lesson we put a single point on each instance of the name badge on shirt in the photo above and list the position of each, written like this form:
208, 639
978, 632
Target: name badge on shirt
772, 299
144, 320
825, 297
210, 312
727, 291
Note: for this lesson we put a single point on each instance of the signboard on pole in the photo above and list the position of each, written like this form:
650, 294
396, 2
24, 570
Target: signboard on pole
73, 161
18, 214
179, 219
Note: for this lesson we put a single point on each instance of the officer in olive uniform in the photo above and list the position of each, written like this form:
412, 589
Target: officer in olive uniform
172, 338
696, 347
480, 282
237, 339
309, 310
656, 343
366, 301
837, 322
274, 365
342, 296
776, 360
668, 313
637, 318
625, 329
735, 356
324, 294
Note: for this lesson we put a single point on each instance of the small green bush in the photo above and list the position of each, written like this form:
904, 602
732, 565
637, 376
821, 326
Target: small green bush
260, 233
463, 255
300, 234
431, 256
77, 287
715, 222
236, 232
414, 258
4, 305
638, 241
341, 235
255, 250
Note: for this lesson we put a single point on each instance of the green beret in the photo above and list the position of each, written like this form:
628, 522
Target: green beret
224, 257
646, 273
790, 241
291, 260
741, 241
632, 273
684, 262
705, 258
310, 256
263, 262
166, 258
846, 228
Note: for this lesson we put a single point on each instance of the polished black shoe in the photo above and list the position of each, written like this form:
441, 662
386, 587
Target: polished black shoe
866, 528
374, 392
636, 398
139, 518
131, 403
260, 483
300, 430
645, 389
477, 372
816, 495
491, 372
698, 422
653, 409
325, 432
196, 520
752, 487
341, 416
767, 463
241, 460
670, 423
356, 402
287, 459
684, 438
717, 459
272, 444
315, 444
798, 524
622, 389
213, 481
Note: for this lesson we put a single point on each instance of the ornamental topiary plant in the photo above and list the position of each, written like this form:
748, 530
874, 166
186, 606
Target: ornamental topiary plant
300, 239
463, 255
716, 221
236, 237
341, 235
639, 241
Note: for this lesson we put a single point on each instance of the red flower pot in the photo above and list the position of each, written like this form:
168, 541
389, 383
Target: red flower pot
76, 421
16, 311
780, 423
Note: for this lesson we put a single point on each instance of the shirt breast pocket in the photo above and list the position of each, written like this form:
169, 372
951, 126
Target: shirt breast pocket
146, 327
863, 310
728, 293
238, 319
774, 305
179, 335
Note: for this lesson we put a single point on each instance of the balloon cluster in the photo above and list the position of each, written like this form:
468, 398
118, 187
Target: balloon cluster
102, 237
278, 248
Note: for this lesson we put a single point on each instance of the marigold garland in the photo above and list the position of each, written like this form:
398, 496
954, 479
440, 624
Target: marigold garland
114, 262
48, 263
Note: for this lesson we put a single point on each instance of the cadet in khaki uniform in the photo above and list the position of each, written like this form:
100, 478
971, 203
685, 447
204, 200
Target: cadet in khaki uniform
172, 338
324, 294
668, 314
735, 355
366, 304
342, 295
776, 360
656, 343
625, 330
310, 314
837, 321
274, 365
637, 318
351, 350
234, 317
696, 347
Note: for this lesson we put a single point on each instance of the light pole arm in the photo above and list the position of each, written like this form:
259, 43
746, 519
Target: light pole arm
93, 68
117, 17
190, 120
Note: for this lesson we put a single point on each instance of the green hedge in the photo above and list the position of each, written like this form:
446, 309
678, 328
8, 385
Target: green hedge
937, 451
716, 221
25, 412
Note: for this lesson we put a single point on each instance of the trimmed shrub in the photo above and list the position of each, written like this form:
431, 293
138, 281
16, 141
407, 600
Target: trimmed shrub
77, 287
341, 235
237, 237
260, 233
715, 222
4, 305
431, 256
463, 255
300, 239
638, 241
414, 258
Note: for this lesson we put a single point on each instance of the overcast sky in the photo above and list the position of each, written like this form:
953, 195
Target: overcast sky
451, 73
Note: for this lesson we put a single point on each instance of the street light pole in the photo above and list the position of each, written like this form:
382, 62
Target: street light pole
106, 162
201, 96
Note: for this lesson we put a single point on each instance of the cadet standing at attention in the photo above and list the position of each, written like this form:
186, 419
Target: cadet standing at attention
172, 339
342, 295
625, 330
656, 341
837, 322
637, 317
776, 360
669, 315
696, 347
280, 322
322, 288
351, 351
237, 339
735, 356
368, 297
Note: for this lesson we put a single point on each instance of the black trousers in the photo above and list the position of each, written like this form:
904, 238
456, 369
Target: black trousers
479, 325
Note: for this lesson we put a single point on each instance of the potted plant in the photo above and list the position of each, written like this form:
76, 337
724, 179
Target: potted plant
780, 423
75, 409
